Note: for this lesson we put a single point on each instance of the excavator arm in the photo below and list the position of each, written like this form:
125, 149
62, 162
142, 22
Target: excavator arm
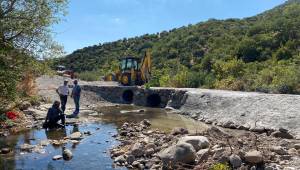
146, 67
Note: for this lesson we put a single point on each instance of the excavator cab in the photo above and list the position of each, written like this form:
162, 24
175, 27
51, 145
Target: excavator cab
129, 71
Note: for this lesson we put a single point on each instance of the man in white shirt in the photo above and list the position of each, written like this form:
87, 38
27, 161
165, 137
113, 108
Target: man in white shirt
63, 92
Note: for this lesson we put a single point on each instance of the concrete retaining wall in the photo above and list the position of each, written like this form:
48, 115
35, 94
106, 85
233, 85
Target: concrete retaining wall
243, 110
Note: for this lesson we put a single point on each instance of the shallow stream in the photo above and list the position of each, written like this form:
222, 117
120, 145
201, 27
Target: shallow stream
93, 151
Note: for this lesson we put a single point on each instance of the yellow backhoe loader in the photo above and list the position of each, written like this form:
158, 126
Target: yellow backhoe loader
132, 71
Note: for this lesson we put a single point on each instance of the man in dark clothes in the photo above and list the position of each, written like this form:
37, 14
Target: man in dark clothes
53, 116
76, 96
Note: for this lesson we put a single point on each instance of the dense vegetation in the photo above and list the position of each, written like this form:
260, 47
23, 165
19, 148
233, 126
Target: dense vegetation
25, 36
259, 53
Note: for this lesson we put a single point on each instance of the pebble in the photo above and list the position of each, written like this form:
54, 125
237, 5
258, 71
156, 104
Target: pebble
5, 150
57, 157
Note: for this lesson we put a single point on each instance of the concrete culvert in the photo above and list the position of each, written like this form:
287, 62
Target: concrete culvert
127, 96
153, 100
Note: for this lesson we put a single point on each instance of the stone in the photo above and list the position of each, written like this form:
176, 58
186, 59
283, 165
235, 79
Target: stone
130, 159
146, 122
67, 154
292, 151
150, 146
279, 134
137, 150
24, 105
149, 152
5, 150
74, 141
57, 157
44, 142
297, 146
254, 157
202, 155
27, 147
75, 136
279, 150
120, 159
181, 153
229, 124
123, 133
235, 161
283, 130
135, 164
87, 133
118, 153
179, 131
198, 142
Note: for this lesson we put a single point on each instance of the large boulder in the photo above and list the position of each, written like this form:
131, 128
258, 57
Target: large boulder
254, 157
198, 142
181, 152
235, 161
137, 150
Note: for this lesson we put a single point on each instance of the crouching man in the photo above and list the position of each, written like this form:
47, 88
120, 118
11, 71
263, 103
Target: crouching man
54, 115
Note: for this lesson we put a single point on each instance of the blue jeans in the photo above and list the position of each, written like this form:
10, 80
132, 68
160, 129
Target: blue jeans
76, 101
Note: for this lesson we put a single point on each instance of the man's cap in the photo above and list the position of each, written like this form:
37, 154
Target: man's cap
66, 80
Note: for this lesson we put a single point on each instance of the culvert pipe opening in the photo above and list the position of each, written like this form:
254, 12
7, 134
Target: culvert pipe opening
153, 100
127, 96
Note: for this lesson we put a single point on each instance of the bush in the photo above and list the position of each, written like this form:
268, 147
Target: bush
90, 76
220, 166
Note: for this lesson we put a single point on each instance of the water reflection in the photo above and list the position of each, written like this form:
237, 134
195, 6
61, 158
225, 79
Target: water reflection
90, 153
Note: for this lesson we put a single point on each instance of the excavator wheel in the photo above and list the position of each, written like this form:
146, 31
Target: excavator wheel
126, 79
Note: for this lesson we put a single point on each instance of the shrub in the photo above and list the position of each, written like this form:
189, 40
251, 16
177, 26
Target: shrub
220, 166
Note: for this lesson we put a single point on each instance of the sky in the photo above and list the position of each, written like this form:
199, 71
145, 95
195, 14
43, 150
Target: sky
90, 22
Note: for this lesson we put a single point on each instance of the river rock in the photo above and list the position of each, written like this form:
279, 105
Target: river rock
67, 154
235, 161
254, 157
120, 159
149, 152
146, 122
280, 134
202, 155
57, 157
150, 146
297, 146
24, 105
44, 142
130, 159
179, 131
27, 147
5, 150
198, 142
75, 136
279, 150
181, 152
118, 153
137, 150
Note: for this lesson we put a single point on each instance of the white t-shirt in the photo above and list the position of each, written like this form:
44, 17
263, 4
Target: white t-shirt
63, 90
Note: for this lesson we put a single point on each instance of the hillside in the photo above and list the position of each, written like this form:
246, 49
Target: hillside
259, 53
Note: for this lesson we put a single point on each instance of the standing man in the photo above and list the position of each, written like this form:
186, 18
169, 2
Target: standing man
76, 96
63, 92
